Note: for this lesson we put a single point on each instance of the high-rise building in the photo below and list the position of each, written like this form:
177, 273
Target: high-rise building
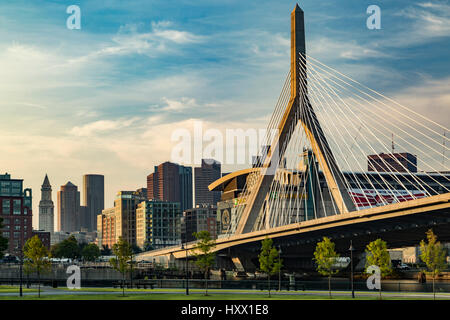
119, 221
203, 177
16, 211
68, 218
158, 224
46, 207
201, 218
392, 162
143, 192
171, 182
94, 200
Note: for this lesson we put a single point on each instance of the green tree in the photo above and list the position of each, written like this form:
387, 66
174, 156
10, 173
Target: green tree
122, 262
433, 254
3, 241
90, 252
148, 246
136, 249
269, 261
37, 258
325, 257
204, 255
67, 248
378, 255
106, 251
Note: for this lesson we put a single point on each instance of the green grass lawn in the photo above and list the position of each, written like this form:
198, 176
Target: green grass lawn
196, 296
249, 291
200, 296
11, 289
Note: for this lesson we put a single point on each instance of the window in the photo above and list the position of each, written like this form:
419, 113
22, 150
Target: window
17, 221
6, 221
17, 206
6, 234
17, 228
16, 235
6, 206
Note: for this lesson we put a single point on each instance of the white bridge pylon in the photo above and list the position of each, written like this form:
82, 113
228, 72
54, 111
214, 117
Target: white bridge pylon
327, 125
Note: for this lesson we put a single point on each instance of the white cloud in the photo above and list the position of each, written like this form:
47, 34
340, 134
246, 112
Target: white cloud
131, 40
179, 105
428, 22
101, 126
322, 48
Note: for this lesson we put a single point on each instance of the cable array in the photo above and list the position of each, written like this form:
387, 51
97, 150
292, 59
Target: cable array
385, 152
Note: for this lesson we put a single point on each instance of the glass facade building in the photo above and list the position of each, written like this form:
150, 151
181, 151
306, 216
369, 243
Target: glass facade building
158, 224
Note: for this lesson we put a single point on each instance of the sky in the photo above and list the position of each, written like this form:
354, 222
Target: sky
106, 98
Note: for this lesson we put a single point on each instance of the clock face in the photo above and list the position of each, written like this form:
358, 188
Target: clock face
225, 217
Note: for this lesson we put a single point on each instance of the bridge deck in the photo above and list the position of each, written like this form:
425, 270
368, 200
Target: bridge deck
386, 213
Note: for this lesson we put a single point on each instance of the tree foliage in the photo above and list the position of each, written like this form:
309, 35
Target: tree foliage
325, 257
122, 262
90, 252
3, 240
105, 251
204, 256
378, 255
67, 248
433, 254
37, 258
269, 259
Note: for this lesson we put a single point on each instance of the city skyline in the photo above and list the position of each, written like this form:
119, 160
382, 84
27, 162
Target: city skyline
171, 74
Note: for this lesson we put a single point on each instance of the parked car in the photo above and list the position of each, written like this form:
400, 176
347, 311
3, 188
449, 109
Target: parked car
403, 266
9, 259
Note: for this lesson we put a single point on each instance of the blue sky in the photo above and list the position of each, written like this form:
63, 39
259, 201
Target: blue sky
105, 99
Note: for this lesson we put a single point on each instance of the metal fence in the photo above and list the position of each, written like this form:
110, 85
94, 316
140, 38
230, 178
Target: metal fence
320, 285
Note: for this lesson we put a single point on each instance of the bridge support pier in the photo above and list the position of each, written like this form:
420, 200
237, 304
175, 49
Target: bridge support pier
243, 263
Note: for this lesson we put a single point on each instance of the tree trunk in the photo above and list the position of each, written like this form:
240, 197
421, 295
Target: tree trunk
329, 285
206, 282
380, 290
123, 284
268, 283
434, 291
39, 284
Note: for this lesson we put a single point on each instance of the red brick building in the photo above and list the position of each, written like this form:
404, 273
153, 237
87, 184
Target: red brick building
16, 212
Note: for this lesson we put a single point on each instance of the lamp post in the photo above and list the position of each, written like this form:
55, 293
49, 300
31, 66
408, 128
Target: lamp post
351, 249
279, 270
187, 270
20, 251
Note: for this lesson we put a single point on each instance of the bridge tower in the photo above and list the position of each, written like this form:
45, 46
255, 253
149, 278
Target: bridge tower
299, 111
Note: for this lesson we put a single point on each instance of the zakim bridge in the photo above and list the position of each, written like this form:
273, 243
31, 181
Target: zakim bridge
311, 178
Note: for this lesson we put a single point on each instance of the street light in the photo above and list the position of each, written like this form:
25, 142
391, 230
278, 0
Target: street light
20, 251
351, 249
279, 270
187, 270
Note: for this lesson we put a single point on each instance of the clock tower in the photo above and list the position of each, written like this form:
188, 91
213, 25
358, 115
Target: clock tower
46, 207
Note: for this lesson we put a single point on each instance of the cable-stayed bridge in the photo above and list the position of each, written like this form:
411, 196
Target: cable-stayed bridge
314, 178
